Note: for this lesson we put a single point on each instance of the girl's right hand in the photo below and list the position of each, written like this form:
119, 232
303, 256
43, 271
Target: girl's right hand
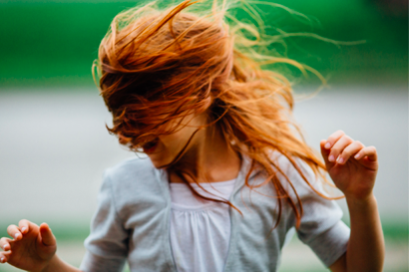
31, 248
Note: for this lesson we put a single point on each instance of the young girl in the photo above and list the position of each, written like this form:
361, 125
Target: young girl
225, 177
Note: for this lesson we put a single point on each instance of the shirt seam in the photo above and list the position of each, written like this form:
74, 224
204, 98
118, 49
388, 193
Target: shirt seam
201, 208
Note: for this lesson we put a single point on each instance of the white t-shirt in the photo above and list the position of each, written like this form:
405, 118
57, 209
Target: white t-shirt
200, 229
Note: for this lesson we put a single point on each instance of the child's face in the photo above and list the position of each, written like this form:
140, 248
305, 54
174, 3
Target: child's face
163, 150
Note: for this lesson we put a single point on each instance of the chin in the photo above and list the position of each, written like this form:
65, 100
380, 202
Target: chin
158, 162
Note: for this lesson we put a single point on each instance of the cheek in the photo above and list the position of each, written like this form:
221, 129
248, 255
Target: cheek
172, 144
168, 148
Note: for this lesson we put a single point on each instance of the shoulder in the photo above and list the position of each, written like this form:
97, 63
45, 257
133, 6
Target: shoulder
132, 175
291, 167
128, 169
132, 184
295, 172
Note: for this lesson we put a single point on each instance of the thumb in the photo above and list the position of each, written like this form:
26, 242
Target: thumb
47, 236
325, 153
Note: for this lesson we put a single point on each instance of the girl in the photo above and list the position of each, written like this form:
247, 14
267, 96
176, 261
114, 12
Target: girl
226, 176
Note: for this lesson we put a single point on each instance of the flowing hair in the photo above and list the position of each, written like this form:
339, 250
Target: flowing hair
157, 65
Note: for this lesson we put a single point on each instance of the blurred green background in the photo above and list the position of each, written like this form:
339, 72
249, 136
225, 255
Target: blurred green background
50, 114
55, 42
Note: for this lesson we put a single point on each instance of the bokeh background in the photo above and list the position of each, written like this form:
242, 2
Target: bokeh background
54, 145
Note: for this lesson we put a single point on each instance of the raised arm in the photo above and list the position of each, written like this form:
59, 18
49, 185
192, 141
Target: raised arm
353, 168
32, 248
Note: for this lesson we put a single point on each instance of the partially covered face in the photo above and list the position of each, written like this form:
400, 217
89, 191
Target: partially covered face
164, 149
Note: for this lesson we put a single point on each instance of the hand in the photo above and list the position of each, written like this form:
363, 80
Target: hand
31, 248
351, 165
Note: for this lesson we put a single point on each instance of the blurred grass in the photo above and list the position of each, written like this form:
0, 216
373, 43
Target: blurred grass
78, 231
296, 256
63, 230
48, 43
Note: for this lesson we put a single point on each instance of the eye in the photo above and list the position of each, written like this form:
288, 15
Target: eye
151, 143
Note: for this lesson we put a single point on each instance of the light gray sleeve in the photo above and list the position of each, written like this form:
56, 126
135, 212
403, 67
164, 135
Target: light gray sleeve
321, 226
323, 230
107, 244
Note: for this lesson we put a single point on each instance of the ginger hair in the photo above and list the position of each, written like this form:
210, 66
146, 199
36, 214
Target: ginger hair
156, 65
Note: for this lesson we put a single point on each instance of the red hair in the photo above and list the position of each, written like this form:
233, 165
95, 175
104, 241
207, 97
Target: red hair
160, 65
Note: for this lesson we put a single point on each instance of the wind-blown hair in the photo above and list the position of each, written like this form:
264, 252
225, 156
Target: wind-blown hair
158, 65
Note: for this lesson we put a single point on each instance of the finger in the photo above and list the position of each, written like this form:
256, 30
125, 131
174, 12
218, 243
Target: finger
5, 243
333, 138
25, 226
325, 152
14, 232
350, 150
338, 147
4, 257
47, 236
369, 151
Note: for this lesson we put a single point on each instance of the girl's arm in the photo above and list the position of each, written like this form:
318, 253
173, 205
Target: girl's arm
58, 265
353, 168
32, 248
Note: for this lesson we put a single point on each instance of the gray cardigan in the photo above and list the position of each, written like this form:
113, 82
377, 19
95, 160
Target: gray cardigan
133, 218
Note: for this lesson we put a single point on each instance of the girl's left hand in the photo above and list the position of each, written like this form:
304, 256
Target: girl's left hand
351, 165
